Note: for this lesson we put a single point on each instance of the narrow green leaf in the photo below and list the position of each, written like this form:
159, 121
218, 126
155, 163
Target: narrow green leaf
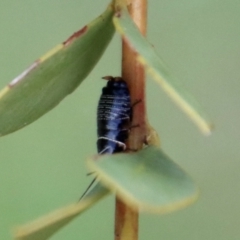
158, 70
51, 78
44, 227
147, 180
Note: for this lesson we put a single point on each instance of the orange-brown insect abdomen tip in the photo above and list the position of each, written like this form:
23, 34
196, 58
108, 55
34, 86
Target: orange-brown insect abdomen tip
108, 78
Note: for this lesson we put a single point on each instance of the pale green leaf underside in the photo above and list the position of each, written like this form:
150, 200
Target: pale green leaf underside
159, 71
44, 227
147, 180
55, 75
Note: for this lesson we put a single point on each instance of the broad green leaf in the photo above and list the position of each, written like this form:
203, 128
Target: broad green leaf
44, 227
158, 70
147, 180
55, 75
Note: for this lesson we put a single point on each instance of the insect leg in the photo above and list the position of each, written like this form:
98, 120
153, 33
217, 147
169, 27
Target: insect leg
136, 102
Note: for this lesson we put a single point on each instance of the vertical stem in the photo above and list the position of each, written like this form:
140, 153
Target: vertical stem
126, 218
133, 73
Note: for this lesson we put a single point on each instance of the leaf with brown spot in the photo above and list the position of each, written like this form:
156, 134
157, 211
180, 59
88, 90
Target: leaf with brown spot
55, 75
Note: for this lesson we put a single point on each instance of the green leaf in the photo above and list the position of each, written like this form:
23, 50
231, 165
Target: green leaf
46, 226
51, 78
158, 70
147, 180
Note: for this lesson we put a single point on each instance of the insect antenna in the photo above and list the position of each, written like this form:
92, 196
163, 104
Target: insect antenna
89, 186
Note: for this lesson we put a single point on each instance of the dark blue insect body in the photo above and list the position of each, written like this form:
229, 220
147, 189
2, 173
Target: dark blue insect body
113, 116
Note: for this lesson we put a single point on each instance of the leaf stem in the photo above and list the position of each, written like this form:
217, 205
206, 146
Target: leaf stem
126, 218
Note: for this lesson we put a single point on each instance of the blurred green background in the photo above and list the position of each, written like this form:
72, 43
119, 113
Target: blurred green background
42, 167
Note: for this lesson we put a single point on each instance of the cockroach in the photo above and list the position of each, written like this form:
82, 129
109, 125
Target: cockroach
114, 115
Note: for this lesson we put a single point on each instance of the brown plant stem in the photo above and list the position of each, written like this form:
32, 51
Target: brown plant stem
126, 218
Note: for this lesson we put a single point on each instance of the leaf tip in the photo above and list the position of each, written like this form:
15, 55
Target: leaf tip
204, 125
